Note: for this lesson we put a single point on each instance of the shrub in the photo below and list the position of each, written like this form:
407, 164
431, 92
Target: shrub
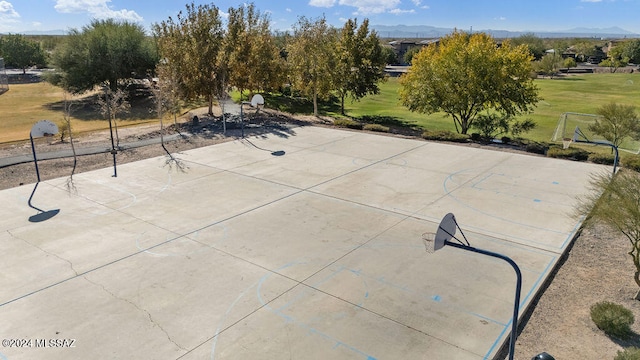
615, 320
604, 159
376, 127
348, 123
443, 135
630, 353
632, 162
63, 130
490, 126
536, 148
569, 154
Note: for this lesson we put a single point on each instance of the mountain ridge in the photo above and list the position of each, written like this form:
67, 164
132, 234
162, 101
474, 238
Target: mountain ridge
426, 31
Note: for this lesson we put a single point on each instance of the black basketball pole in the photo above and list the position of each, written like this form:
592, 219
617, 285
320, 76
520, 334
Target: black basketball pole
35, 160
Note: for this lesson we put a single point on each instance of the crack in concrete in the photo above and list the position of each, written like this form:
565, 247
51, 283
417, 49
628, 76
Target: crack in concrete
44, 251
139, 309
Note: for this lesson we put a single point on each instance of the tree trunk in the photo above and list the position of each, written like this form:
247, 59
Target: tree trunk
636, 278
315, 104
210, 105
342, 105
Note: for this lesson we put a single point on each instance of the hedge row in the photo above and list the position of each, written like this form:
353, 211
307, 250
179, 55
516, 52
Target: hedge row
554, 151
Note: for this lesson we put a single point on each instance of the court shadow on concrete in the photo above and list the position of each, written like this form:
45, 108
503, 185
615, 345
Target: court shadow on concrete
314, 254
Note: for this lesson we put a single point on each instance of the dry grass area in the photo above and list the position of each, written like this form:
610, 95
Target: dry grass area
25, 104
596, 268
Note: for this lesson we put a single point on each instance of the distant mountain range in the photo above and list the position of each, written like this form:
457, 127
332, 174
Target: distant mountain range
35, 32
424, 31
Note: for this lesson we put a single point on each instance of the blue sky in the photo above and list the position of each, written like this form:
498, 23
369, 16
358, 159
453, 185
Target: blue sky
515, 15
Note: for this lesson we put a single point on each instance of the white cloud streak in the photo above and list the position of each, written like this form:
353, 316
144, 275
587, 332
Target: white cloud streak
400, 11
9, 17
98, 9
365, 7
7, 11
322, 3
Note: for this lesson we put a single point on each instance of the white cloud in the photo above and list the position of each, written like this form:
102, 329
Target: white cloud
418, 3
98, 9
9, 17
7, 11
322, 3
365, 7
288, 10
400, 11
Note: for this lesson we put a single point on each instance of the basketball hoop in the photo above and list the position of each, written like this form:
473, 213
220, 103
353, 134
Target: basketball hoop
566, 142
429, 240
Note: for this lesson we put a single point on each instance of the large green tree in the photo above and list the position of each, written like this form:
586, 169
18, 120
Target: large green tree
311, 58
534, 44
549, 64
190, 46
616, 58
360, 62
251, 57
632, 50
467, 74
104, 52
617, 122
20, 52
585, 49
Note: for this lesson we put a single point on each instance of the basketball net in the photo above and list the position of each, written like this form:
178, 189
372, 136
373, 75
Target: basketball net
429, 239
566, 142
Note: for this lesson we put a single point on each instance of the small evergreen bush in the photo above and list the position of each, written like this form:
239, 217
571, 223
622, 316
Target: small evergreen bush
376, 127
614, 319
443, 135
630, 353
569, 154
604, 159
348, 123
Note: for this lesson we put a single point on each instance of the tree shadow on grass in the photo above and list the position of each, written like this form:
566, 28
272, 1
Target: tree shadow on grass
299, 105
398, 125
569, 78
86, 108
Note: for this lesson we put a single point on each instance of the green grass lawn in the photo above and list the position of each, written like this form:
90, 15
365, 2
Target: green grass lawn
23, 105
581, 94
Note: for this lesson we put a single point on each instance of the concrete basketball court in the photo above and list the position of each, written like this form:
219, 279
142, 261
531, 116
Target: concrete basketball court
313, 254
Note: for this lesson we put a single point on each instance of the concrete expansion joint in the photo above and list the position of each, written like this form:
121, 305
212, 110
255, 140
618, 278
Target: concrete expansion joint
148, 315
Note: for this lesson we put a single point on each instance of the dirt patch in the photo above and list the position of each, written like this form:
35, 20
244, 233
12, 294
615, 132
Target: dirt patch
596, 268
